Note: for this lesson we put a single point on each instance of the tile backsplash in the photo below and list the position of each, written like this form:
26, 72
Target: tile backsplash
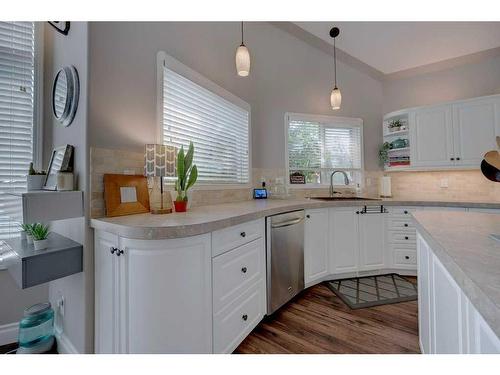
461, 185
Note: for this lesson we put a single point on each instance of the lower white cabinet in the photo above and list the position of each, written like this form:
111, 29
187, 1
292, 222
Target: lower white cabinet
315, 245
343, 240
448, 322
372, 241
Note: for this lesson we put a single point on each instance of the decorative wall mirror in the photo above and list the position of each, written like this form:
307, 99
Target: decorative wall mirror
65, 94
60, 161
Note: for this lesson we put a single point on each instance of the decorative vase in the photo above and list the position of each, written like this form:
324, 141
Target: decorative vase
35, 182
29, 239
180, 206
40, 244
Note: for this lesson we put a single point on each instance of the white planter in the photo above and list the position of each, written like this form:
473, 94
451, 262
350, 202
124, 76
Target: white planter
23, 236
29, 239
35, 182
41, 244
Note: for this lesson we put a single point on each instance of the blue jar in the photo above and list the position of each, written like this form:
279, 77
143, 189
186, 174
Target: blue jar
36, 329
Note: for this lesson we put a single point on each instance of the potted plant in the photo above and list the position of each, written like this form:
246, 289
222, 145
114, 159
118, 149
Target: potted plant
25, 232
35, 179
383, 154
187, 173
395, 125
40, 233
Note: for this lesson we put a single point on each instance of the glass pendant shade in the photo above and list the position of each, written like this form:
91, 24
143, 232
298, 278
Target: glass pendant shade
243, 61
335, 99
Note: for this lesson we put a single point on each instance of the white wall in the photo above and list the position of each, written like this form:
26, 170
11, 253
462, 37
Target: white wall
77, 289
461, 82
286, 75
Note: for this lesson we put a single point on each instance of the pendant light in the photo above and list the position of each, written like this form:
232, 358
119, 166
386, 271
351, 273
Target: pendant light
335, 96
242, 58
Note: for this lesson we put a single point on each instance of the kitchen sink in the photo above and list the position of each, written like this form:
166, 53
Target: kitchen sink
345, 199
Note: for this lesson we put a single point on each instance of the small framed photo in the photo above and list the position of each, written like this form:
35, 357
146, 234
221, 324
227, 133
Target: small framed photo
60, 161
260, 193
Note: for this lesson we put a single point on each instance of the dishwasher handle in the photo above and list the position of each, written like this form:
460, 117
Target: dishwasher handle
287, 223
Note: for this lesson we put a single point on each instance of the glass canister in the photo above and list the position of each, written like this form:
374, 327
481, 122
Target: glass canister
36, 329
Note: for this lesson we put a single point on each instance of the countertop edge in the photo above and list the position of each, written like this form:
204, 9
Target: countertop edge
488, 309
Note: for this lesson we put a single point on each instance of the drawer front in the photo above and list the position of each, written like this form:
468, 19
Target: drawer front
400, 224
404, 237
400, 211
238, 319
405, 257
229, 238
235, 271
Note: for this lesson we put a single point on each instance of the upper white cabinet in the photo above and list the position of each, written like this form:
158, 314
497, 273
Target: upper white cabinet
475, 123
316, 245
453, 135
431, 136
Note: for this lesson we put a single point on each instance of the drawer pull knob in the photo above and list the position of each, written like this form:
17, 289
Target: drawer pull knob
243, 234
406, 237
113, 250
119, 252
458, 158
406, 212
407, 257
406, 225
244, 270
452, 159
308, 216
244, 317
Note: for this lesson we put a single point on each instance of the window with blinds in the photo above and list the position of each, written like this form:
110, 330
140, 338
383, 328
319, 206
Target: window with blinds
218, 128
319, 145
17, 87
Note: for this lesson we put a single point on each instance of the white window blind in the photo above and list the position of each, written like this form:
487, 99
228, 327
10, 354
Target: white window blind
218, 129
16, 118
318, 147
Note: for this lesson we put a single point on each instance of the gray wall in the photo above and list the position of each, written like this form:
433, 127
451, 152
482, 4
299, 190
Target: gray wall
461, 82
77, 289
286, 75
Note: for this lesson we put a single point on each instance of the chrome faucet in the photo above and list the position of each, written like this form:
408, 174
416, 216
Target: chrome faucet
346, 181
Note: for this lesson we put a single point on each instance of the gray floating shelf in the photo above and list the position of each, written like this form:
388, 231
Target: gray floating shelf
62, 257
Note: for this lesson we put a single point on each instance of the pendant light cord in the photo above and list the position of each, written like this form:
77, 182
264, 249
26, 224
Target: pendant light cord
242, 34
334, 63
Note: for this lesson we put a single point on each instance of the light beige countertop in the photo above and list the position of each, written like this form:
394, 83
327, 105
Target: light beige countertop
205, 219
462, 243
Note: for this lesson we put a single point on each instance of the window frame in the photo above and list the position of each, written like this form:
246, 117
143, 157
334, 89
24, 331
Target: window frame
163, 59
331, 121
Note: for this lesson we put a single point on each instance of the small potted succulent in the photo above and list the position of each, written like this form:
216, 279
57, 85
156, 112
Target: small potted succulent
40, 234
187, 173
35, 179
25, 232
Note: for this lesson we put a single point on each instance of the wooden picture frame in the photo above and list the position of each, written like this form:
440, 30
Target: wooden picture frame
125, 195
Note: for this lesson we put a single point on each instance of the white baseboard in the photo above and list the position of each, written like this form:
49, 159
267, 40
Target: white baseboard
8, 333
64, 346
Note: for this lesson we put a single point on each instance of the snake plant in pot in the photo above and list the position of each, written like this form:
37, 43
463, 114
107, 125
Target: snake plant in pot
187, 173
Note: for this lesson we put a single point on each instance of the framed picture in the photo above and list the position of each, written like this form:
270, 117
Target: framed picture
61, 26
60, 161
125, 195
297, 178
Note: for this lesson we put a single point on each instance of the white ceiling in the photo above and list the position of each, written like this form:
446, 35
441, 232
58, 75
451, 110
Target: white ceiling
393, 46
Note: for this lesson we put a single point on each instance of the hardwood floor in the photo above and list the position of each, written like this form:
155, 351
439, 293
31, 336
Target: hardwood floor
317, 321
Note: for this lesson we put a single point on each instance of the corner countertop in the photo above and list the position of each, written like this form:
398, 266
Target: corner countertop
205, 219
462, 243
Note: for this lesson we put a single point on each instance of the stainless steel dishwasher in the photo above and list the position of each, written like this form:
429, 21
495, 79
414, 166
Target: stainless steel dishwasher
285, 258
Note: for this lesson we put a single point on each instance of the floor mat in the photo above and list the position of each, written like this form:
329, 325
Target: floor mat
360, 292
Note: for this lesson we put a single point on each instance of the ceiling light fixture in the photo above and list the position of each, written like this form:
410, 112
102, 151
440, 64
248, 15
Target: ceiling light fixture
335, 96
242, 58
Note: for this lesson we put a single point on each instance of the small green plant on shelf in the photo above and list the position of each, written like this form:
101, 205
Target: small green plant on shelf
33, 172
26, 232
187, 174
395, 125
40, 234
383, 153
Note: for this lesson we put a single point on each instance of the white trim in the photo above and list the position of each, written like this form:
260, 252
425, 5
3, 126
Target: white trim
64, 345
38, 103
331, 121
9, 333
163, 59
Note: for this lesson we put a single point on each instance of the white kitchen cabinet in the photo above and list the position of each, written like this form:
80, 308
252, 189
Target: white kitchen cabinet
159, 297
316, 245
372, 247
343, 240
475, 124
424, 299
431, 136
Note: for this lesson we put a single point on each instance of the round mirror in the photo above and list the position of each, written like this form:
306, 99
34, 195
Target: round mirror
65, 94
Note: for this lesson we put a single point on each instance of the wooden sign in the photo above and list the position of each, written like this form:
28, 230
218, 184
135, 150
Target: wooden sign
125, 194
297, 178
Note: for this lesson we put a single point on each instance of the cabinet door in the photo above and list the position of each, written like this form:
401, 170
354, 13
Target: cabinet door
316, 245
106, 293
446, 312
431, 137
484, 340
424, 297
372, 241
344, 240
474, 126
166, 295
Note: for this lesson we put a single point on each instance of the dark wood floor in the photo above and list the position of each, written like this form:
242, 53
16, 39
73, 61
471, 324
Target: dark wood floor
317, 321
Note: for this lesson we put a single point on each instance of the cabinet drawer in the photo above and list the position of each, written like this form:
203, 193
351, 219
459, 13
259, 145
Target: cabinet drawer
405, 258
235, 271
400, 211
229, 238
400, 224
408, 237
238, 319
